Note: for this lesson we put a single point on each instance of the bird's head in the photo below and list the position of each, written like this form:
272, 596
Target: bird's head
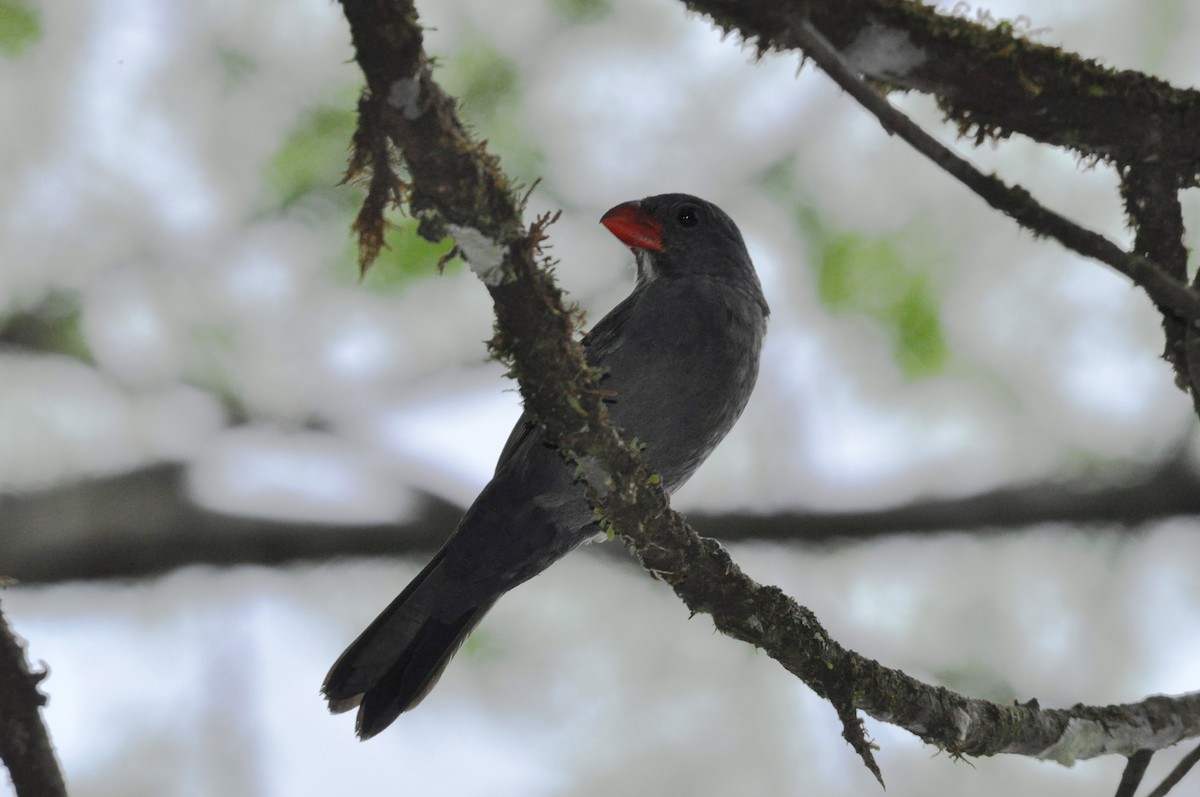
679, 235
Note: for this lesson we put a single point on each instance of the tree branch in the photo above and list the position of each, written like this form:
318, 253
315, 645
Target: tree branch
457, 189
1152, 205
143, 523
1135, 770
1182, 768
24, 744
1164, 288
1045, 93
990, 79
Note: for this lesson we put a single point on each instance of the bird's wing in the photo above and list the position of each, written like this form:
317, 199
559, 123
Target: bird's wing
598, 345
606, 336
521, 432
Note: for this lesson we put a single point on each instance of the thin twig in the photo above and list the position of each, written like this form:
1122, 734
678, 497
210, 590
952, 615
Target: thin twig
1135, 770
1013, 201
1182, 768
990, 76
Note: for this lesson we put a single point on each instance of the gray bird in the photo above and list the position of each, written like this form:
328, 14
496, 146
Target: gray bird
680, 358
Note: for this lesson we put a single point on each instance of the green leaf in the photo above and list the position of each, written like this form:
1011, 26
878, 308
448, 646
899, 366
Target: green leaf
487, 84
920, 346
879, 278
20, 27
406, 257
314, 156
875, 278
579, 12
483, 79
312, 160
236, 65
55, 325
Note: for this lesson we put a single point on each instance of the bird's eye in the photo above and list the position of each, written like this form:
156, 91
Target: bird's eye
689, 215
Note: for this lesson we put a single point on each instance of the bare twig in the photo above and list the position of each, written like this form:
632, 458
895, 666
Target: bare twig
1172, 779
24, 744
1135, 770
1168, 292
150, 525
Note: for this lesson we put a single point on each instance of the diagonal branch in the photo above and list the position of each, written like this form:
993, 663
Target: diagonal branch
987, 77
457, 188
1143, 125
1169, 292
1135, 770
1182, 768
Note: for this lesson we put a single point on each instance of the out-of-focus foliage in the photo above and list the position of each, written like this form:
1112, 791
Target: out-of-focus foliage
54, 326
311, 163
406, 256
20, 27
874, 277
488, 86
313, 158
237, 64
582, 11
878, 277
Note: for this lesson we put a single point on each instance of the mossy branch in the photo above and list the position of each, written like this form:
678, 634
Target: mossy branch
993, 82
990, 79
455, 186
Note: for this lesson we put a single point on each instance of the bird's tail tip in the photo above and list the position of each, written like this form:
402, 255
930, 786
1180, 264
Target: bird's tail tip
340, 705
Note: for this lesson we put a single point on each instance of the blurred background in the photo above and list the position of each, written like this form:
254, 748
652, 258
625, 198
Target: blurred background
221, 452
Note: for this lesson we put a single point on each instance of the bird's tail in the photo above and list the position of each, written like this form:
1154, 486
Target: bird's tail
399, 657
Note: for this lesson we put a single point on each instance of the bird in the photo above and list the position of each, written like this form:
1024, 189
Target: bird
679, 358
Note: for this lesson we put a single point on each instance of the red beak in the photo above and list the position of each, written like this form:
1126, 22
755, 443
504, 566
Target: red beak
634, 227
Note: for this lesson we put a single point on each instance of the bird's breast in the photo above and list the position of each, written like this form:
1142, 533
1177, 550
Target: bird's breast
684, 372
